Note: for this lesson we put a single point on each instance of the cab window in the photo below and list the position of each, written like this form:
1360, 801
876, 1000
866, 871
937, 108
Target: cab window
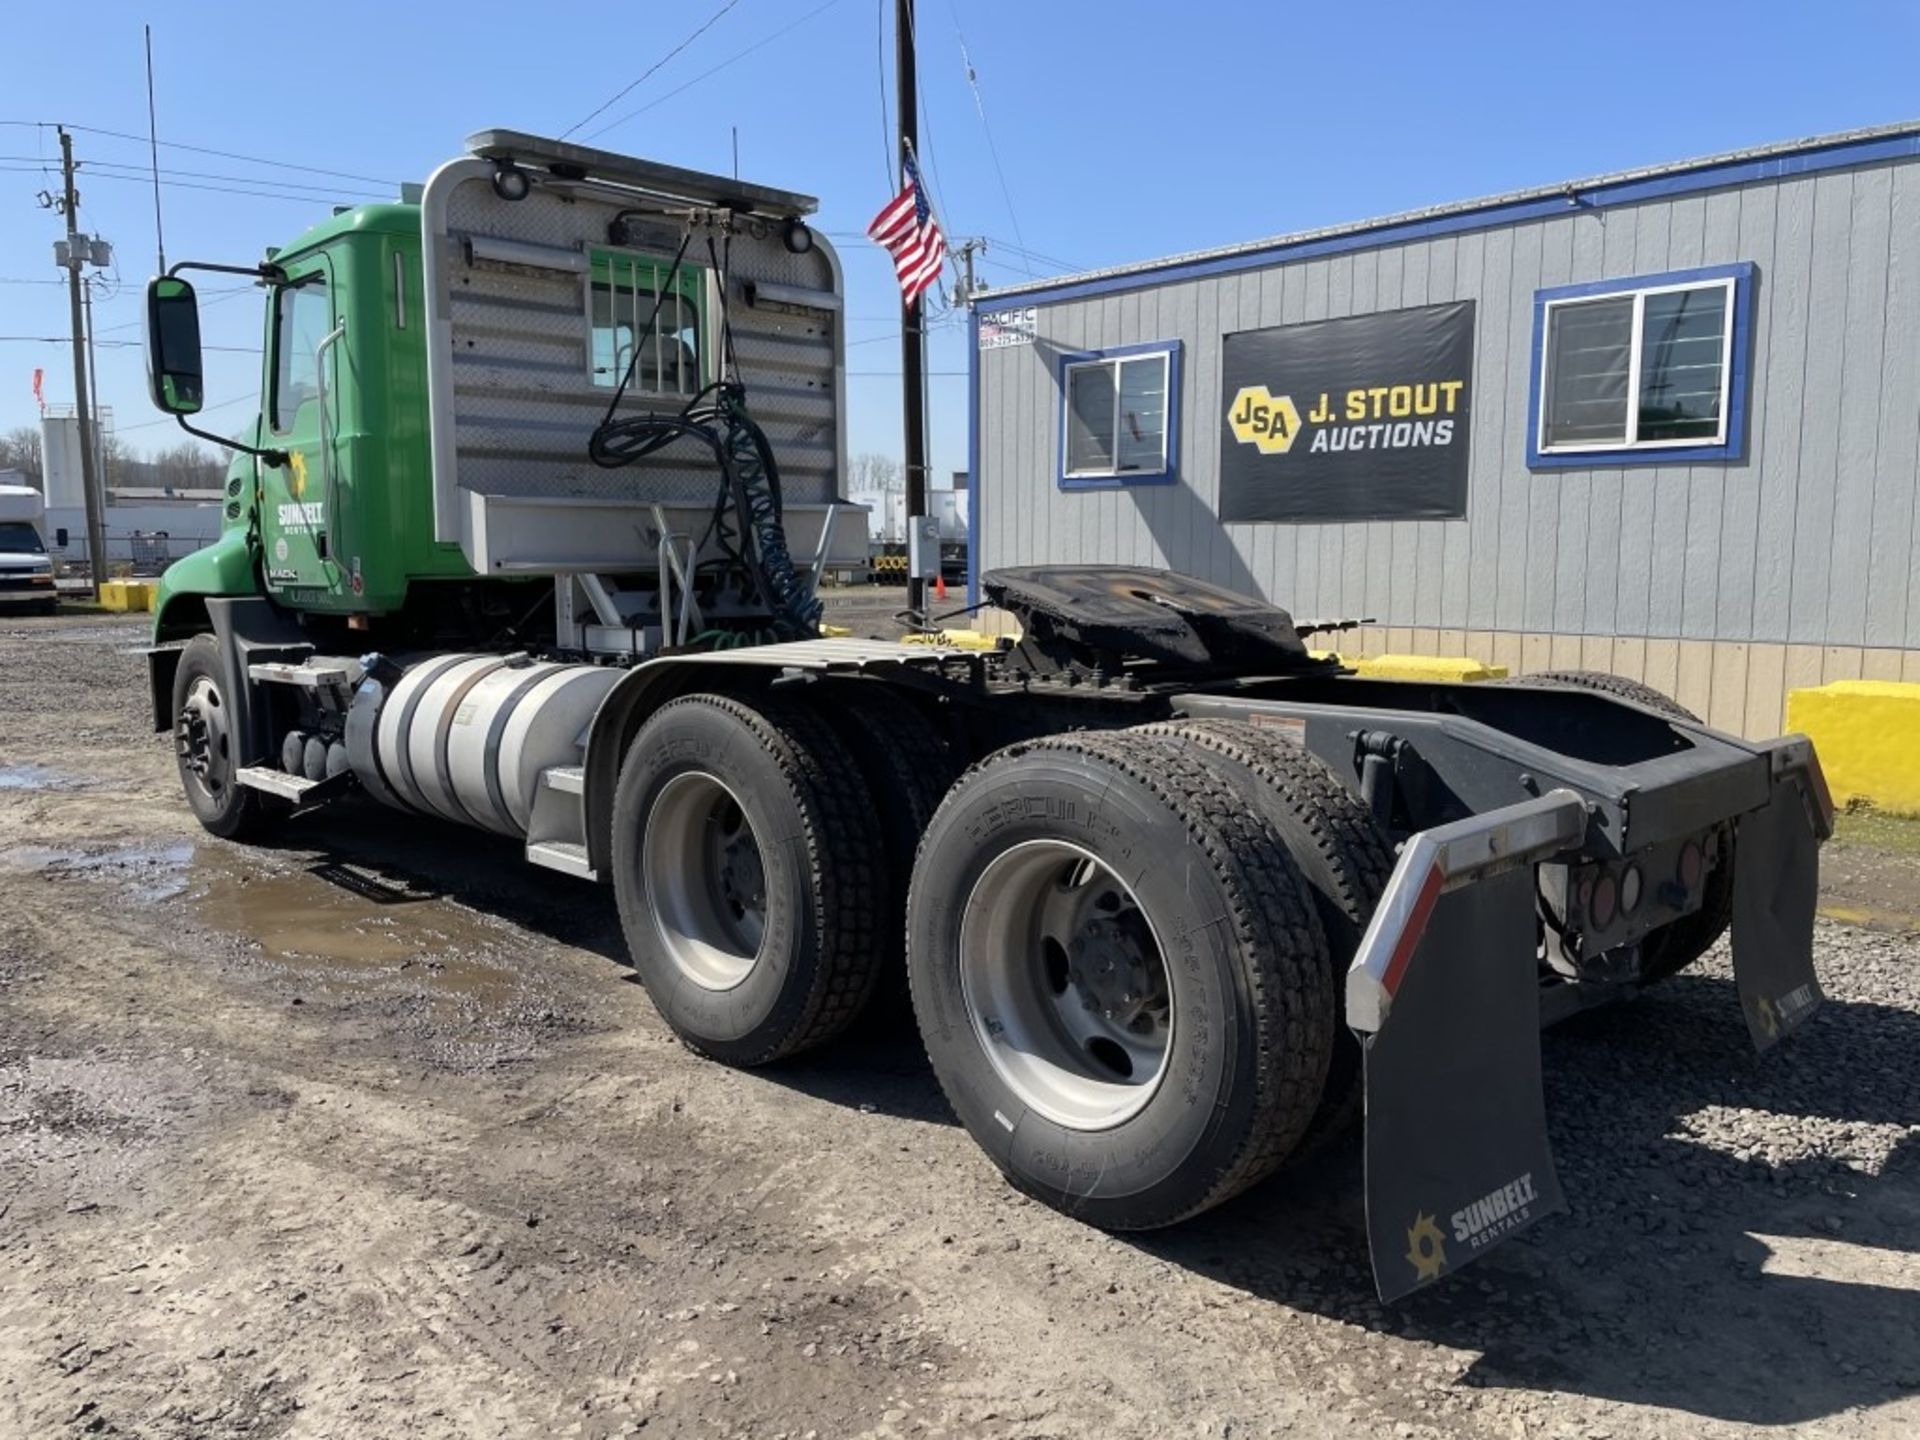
631, 300
302, 319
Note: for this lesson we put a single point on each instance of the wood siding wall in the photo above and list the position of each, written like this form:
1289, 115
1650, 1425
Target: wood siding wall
1807, 541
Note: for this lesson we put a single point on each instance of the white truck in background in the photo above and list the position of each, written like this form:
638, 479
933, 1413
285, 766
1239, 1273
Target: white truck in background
26, 570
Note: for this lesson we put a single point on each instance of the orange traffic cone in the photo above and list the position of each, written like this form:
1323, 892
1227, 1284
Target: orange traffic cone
939, 587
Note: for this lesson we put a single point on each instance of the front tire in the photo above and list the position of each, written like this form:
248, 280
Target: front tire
207, 748
1121, 983
746, 856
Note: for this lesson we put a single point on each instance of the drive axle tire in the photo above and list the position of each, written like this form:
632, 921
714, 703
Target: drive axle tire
1343, 855
745, 857
1672, 948
908, 768
207, 749
1122, 985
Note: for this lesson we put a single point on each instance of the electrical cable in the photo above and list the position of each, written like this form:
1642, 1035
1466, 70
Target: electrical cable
749, 474
621, 94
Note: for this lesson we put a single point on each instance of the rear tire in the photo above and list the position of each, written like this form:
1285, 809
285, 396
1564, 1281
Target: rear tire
206, 748
1671, 948
1121, 983
908, 768
1343, 856
745, 857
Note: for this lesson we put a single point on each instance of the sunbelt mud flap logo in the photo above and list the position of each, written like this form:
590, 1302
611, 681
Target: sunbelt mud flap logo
1471, 1228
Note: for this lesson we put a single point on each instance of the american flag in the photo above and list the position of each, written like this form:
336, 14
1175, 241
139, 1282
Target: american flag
906, 230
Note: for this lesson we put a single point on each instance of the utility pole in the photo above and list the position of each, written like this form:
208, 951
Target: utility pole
968, 249
912, 337
76, 256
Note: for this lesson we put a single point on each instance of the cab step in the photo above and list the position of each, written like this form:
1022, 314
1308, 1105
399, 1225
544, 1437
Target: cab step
270, 780
559, 855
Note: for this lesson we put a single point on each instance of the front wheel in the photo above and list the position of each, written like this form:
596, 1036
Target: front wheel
206, 746
1122, 985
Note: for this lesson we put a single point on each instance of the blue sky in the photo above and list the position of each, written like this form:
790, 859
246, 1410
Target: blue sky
1124, 130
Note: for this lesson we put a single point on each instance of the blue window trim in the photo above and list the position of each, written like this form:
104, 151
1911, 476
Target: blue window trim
1166, 474
1732, 449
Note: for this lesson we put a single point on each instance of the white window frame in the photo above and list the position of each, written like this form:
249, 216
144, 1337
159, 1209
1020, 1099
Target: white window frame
1114, 362
1628, 443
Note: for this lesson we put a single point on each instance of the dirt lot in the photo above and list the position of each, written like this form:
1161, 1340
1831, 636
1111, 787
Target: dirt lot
372, 1136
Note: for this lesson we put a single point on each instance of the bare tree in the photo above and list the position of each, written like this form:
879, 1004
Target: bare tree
872, 471
187, 466
20, 450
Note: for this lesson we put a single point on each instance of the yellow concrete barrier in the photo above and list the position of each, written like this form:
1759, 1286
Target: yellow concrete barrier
127, 595
959, 639
1452, 669
1868, 736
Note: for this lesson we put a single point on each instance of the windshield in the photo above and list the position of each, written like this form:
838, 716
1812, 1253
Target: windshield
17, 535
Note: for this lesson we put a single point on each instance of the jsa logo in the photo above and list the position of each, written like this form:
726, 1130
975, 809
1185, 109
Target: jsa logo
1263, 420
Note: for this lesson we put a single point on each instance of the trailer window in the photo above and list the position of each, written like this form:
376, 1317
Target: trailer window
1652, 369
622, 294
1117, 416
303, 317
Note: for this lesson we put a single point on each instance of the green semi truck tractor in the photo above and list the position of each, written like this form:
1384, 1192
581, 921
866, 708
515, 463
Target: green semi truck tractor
526, 534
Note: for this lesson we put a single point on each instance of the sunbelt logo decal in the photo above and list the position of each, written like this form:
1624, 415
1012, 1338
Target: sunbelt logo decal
1475, 1225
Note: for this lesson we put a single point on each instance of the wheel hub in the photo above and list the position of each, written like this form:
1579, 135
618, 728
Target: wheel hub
1066, 984
1109, 965
705, 880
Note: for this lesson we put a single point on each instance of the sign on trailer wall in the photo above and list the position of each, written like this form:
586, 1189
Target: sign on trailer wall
1357, 419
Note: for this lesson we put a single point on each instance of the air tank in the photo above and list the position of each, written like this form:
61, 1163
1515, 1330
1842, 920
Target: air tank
465, 737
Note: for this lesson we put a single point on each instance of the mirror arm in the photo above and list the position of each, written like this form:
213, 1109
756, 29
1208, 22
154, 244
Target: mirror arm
268, 273
275, 458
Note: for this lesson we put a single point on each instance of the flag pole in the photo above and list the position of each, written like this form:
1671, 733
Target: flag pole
912, 334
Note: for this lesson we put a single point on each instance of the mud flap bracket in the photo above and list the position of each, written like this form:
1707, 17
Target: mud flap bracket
1444, 997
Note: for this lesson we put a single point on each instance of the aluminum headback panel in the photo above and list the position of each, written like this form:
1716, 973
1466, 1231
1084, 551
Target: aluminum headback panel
512, 396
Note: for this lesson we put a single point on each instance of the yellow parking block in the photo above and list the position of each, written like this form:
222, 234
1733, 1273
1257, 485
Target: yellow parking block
1868, 736
127, 595
1451, 669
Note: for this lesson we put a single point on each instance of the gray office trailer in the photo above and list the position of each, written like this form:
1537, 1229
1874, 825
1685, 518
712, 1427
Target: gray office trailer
1673, 431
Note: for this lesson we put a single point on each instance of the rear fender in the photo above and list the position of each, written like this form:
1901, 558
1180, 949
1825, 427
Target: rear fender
1444, 995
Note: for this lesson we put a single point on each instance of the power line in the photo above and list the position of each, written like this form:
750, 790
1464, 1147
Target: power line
704, 74
235, 155
204, 410
114, 170
979, 104
141, 179
632, 85
116, 344
880, 70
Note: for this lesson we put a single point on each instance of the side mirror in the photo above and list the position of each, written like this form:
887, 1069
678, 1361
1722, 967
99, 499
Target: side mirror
173, 346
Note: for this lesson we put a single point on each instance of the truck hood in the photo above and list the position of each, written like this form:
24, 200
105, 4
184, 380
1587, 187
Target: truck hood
22, 562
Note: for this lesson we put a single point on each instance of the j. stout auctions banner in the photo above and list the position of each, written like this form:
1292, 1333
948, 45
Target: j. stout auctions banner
1359, 419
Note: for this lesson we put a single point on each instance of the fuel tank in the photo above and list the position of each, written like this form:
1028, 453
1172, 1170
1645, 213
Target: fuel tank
466, 737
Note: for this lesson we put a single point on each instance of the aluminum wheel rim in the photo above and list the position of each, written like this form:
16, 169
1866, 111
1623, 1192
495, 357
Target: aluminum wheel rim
200, 739
705, 880
1066, 984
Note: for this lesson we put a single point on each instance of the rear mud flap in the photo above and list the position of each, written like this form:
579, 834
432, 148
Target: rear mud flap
1776, 882
1444, 996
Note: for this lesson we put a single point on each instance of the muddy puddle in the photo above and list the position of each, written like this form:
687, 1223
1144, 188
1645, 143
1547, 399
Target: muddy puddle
151, 873
38, 777
325, 919
337, 922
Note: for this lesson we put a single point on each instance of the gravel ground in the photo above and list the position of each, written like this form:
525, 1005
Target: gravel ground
371, 1135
